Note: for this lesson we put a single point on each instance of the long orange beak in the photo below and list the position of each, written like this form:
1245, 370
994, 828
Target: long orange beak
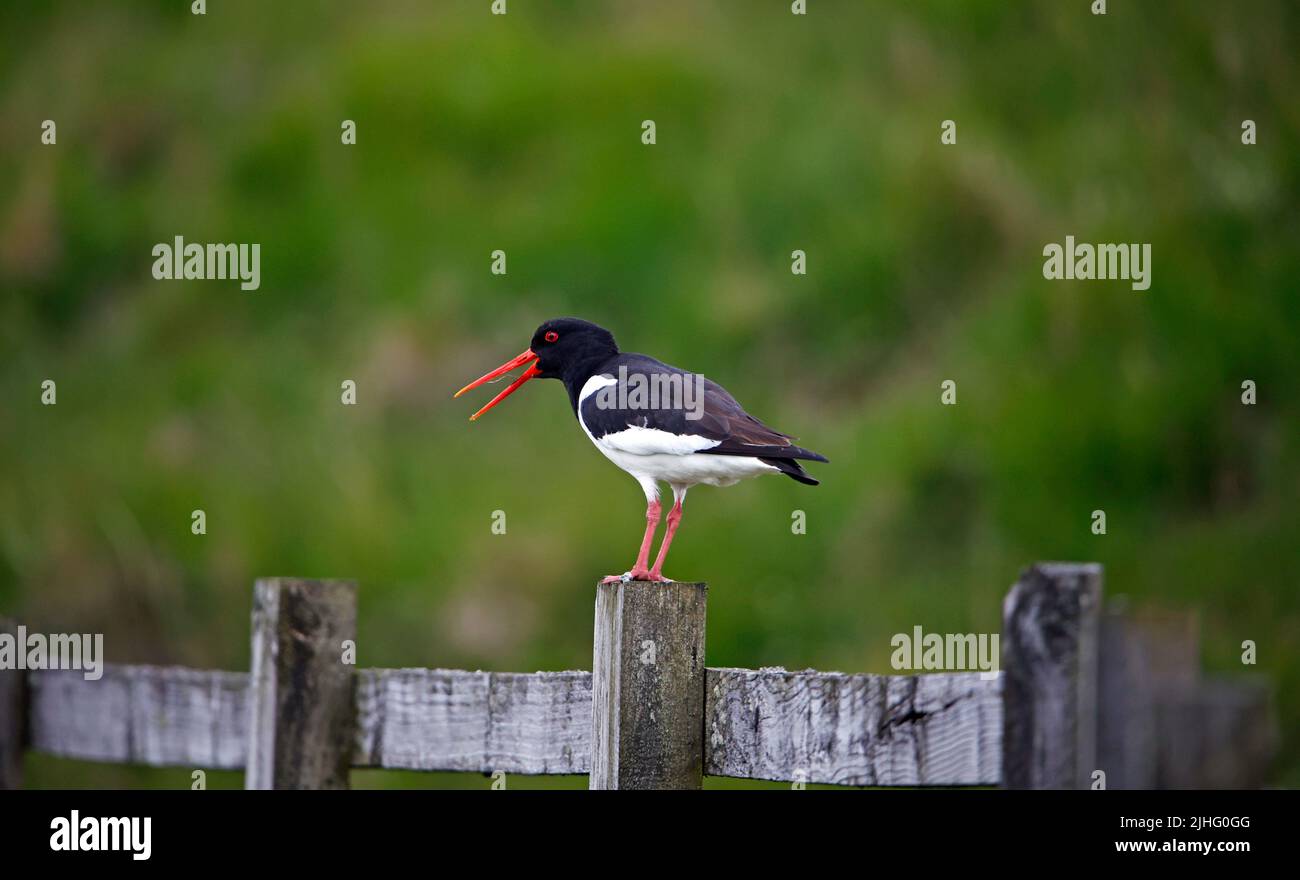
527, 357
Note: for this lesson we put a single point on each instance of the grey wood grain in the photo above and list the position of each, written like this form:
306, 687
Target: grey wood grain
648, 686
433, 719
417, 719
831, 727
1049, 656
302, 698
13, 718
156, 715
444, 719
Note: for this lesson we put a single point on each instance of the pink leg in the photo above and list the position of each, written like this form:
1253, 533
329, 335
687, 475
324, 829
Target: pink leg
674, 517
639, 571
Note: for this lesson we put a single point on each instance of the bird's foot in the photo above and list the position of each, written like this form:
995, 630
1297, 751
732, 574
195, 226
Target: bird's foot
636, 574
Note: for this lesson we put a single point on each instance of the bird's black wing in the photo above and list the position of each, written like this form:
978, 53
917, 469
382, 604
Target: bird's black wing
705, 411
740, 433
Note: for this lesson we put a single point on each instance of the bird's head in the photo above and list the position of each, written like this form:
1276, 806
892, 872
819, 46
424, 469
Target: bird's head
560, 348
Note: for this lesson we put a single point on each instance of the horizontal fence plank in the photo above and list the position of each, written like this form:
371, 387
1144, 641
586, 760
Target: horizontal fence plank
444, 719
417, 719
831, 727
935, 729
162, 716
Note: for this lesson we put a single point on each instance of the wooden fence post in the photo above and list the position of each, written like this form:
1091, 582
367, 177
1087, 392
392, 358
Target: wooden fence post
1146, 659
13, 717
302, 694
648, 686
1049, 660
1126, 711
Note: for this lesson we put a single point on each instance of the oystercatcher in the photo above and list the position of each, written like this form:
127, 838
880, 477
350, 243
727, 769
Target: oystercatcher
655, 421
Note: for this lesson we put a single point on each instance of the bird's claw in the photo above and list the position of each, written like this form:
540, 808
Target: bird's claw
627, 577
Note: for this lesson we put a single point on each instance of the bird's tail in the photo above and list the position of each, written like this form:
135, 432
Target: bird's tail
790, 467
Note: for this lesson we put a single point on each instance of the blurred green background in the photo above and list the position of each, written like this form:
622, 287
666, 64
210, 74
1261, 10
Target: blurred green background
775, 132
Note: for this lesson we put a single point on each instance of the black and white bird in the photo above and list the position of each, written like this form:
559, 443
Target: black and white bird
655, 421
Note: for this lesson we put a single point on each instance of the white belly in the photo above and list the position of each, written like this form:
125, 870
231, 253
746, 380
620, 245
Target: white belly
689, 469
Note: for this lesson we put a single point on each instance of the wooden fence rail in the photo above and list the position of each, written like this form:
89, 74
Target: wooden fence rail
1080, 692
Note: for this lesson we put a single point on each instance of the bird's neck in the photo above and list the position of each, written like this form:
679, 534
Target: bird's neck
580, 370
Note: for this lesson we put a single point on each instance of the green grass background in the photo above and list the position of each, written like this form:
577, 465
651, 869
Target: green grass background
522, 132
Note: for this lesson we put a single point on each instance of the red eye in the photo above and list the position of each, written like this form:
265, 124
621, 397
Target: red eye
551, 336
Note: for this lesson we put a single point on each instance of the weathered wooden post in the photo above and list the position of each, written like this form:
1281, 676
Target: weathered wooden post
648, 686
1126, 696
1145, 659
13, 716
302, 694
1049, 660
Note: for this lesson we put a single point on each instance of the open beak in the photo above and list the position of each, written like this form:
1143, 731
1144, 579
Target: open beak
526, 358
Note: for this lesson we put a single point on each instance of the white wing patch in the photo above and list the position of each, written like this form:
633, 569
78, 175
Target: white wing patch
594, 384
651, 441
